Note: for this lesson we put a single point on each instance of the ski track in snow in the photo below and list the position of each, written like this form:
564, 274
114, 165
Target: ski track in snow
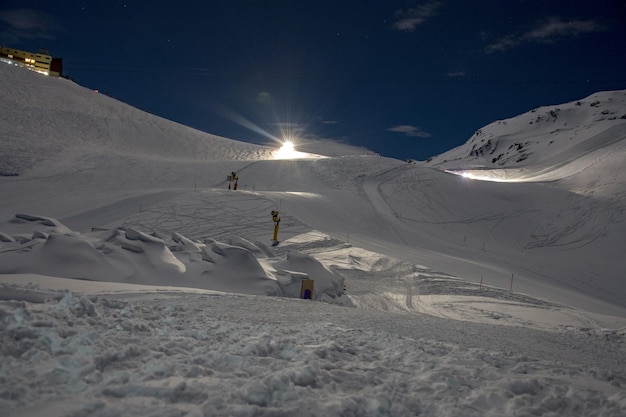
223, 214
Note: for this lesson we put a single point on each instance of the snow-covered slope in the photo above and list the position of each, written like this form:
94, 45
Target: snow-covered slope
90, 161
94, 170
576, 154
44, 120
134, 281
547, 143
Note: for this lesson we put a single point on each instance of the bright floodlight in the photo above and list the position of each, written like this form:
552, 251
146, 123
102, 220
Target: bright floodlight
287, 146
492, 175
287, 151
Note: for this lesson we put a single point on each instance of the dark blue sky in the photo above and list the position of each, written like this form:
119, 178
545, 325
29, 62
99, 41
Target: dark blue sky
406, 79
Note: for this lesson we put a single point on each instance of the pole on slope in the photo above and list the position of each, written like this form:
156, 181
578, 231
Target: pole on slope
235, 178
276, 219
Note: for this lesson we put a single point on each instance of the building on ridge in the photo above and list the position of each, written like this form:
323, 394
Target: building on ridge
41, 61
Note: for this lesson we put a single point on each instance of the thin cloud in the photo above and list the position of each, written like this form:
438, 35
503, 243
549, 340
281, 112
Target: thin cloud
456, 74
264, 98
325, 121
410, 131
29, 24
552, 30
408, 20
556, 28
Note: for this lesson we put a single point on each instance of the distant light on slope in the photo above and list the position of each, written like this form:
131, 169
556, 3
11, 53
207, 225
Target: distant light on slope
287, 151
493, 175
288, 146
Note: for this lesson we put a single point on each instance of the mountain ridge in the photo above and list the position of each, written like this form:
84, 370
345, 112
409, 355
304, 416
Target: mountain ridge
531, 138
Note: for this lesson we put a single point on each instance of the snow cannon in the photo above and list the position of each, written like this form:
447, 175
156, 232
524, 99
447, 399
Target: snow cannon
276, 219
233, 177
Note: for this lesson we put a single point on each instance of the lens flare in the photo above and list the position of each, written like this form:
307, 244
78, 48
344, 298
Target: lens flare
288, 151
288, 146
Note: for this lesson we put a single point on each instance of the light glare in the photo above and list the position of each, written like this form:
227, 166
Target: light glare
493, 175
287, 146
287, 151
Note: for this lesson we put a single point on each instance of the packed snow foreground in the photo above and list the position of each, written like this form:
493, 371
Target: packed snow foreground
133, 282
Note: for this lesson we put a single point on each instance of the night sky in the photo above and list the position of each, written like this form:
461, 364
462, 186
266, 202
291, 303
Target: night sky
405, 79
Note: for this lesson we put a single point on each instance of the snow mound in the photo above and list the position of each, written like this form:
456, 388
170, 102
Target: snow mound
129, 255
296, 266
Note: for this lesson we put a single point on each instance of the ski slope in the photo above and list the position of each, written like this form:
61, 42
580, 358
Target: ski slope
133, 281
